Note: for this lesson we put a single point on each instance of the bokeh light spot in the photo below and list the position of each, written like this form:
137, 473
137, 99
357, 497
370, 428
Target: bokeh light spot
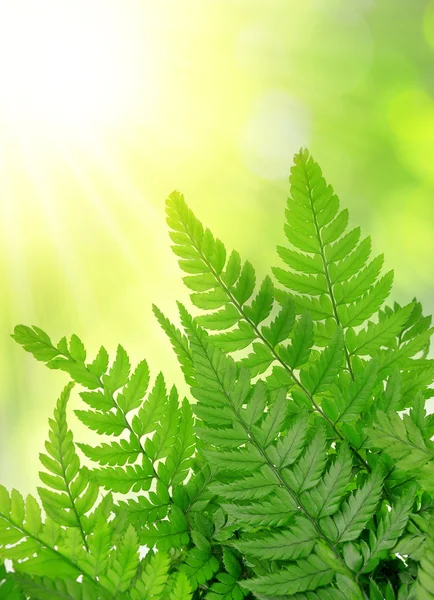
411, 118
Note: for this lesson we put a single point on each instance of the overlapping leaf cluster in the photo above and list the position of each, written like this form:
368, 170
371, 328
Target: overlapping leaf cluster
303, 468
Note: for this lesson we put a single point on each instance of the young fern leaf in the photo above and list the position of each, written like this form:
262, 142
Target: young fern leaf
219, 382
151, 584
72, 493
42, 550
123, 564
198, 250
332, 265
229, 286
332, 279
403, 440
159, 447
358, 509
21, 524
181, 589
425, 574
46, 588
389, 530
200, 566
112, 399
179, 343
307, 574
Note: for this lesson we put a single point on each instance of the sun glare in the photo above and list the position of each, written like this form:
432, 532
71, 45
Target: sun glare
69, 63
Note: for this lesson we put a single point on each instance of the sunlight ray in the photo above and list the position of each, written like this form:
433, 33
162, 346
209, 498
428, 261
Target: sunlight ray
13, 258
64, 247
142, 209
99, 206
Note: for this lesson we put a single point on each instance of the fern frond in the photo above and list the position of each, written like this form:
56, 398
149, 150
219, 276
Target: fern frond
358, 509
403, 440
425, 573
123, 563
308, 574
346, 287
179, 343
113, 395
46, 588
199, 566
151, 584
352, 395
166, 534
219, 382
31, 538
74, 492
229, 290
290, 544
389, 529
181, 589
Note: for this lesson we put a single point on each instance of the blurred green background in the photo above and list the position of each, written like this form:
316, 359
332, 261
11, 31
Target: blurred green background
211, 97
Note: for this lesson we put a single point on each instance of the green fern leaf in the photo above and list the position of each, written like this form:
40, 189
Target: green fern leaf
349, 263
221, 319
135, 390
359, 508
179, 343
350, 291
199, 566
114, 453
262, 304
236, 339
144, 510
401, 439
167, 534
153, 409
226, 588
165, 431
322, 374
425, 573
288, 448
276, 511
78, 493
179, 457
352, 399
151, 584
309, 574
35, 341
389, 530
123, 480
292, 544
273, 421
281, 327
306, 473
259, 485
368, 341
38, 547
119, 372
297, 354
109, 423
123, 564
181, 588
259, 360
324, 499
362, 310
98, 400
46, 588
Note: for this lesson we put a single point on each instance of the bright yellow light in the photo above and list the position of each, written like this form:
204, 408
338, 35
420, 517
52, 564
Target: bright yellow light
69, 63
